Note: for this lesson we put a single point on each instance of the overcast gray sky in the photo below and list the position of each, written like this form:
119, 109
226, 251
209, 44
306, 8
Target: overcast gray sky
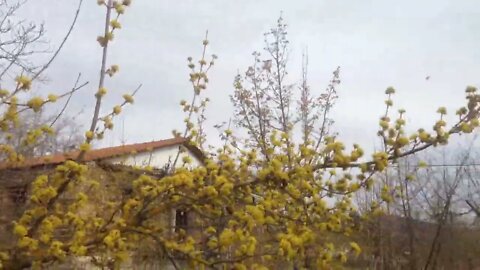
377, 43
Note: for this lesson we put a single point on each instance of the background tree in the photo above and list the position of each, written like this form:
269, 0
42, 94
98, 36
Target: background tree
427, 215
67, 135
20, 40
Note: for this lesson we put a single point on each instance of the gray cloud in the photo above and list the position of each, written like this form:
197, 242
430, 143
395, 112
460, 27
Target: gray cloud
377, 43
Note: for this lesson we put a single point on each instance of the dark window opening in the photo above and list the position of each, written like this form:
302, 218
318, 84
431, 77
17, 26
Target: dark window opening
18, 195
181, 220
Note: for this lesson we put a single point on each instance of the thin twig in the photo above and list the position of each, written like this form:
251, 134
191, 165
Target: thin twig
68, 100
123, 103
77, 12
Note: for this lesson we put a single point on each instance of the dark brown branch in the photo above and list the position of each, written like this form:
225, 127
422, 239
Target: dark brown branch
473, 207
102, 68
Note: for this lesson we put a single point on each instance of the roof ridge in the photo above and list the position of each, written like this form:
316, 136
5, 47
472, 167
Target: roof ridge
94, 154
155, 142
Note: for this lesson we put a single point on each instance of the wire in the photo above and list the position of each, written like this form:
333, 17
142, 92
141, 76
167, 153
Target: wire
440, 165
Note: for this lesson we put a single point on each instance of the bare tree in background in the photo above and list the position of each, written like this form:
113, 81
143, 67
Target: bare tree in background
67, 135
441, 194
314, 110
264, 98
426, 221
19, 41
473, 193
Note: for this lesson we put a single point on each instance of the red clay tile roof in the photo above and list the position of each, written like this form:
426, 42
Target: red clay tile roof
103, 153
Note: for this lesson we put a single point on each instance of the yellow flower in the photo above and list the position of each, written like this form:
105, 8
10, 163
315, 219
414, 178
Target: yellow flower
128, 98
226, 188
82, 196
356, 248
390, 90
461, 111
115, 68
466, 128
47, 130
85, 147
102, 40
385, 195
442, 110
109, 36
78, 250
257, 213
20, 230
101, 92
120, 9
475, 122
424, 136
109, 241
32, 244
187, 160
45, 238
402, 141
3, 256
239, 266
52, 98
89, 135
56, 249
210, 230
117, 109
24, 82
212, 243
4, 92
471, 89
121, 255
354, 187
115, 24
108, 122
35, 103
226, 237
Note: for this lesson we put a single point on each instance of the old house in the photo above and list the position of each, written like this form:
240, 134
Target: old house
158, 155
